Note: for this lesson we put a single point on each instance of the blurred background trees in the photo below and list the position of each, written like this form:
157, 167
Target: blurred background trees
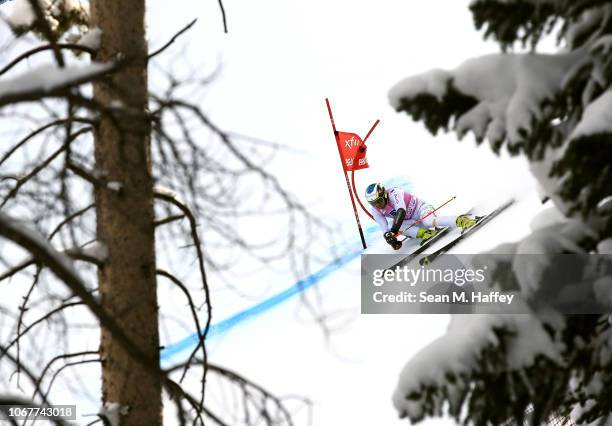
105, 182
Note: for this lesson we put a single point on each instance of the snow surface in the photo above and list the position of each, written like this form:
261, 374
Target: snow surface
162, 190
92, 38
603, 45
605, 246
97, 250
112, 411
546, 218
434, 83
49, 77
22, 14
605, 205
603, 291
597, 117
114, 186
24, 229
553, 239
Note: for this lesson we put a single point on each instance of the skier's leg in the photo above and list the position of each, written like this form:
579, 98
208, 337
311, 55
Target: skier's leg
409, 229
463, 221
431, 220
440, 221
417, 230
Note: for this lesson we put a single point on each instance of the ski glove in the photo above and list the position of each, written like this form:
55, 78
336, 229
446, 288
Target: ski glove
392, 241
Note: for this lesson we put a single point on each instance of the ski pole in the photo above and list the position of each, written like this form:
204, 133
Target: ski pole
430, 213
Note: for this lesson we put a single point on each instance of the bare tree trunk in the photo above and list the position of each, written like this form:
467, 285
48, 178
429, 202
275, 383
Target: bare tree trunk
125, 218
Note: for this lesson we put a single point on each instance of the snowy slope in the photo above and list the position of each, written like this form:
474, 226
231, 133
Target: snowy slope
360, 365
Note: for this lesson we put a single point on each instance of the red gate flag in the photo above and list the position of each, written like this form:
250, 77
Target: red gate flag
353, 151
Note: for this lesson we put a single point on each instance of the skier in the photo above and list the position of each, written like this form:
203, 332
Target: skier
405, 209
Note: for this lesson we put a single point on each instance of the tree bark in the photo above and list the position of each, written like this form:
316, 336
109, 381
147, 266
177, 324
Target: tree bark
125, 218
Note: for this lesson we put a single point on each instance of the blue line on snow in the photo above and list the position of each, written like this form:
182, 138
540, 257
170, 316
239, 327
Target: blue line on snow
263, 306
267, 304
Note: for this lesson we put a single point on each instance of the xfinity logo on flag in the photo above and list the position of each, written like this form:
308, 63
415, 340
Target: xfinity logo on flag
349, 143
353, 151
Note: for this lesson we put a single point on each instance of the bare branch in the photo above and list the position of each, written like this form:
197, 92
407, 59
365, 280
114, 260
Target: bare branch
223, 15
172, 40
163, 195
17, 268
23, 180
68, 219
59, 265
169, 219
48, 315
36, 132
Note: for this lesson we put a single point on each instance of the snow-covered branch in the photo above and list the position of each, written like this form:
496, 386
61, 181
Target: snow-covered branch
50, 81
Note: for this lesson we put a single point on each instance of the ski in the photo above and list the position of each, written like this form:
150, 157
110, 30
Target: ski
432, 256
421, 248
424, 245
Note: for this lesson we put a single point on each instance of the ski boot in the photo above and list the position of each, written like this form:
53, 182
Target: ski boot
465, 222
425, 234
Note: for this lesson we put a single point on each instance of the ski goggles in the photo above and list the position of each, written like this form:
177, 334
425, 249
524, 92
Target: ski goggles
379, 202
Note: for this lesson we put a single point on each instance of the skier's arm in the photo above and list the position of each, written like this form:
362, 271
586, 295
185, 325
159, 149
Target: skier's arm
398, 219
396, 198
381, 220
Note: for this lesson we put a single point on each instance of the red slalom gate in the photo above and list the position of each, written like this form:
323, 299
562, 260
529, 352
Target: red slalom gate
352, 151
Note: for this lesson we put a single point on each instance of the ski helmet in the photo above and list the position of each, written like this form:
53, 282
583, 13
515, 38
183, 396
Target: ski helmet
376, 195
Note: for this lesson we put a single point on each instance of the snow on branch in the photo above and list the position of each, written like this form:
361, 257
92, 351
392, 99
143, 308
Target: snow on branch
49, 80
474, 346
528, 358
588, 148
553, 108
112, 412
58, 16
92, 39
597, 117
498, 97
42, 250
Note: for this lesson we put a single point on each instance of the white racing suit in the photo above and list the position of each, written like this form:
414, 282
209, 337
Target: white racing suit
415, 210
